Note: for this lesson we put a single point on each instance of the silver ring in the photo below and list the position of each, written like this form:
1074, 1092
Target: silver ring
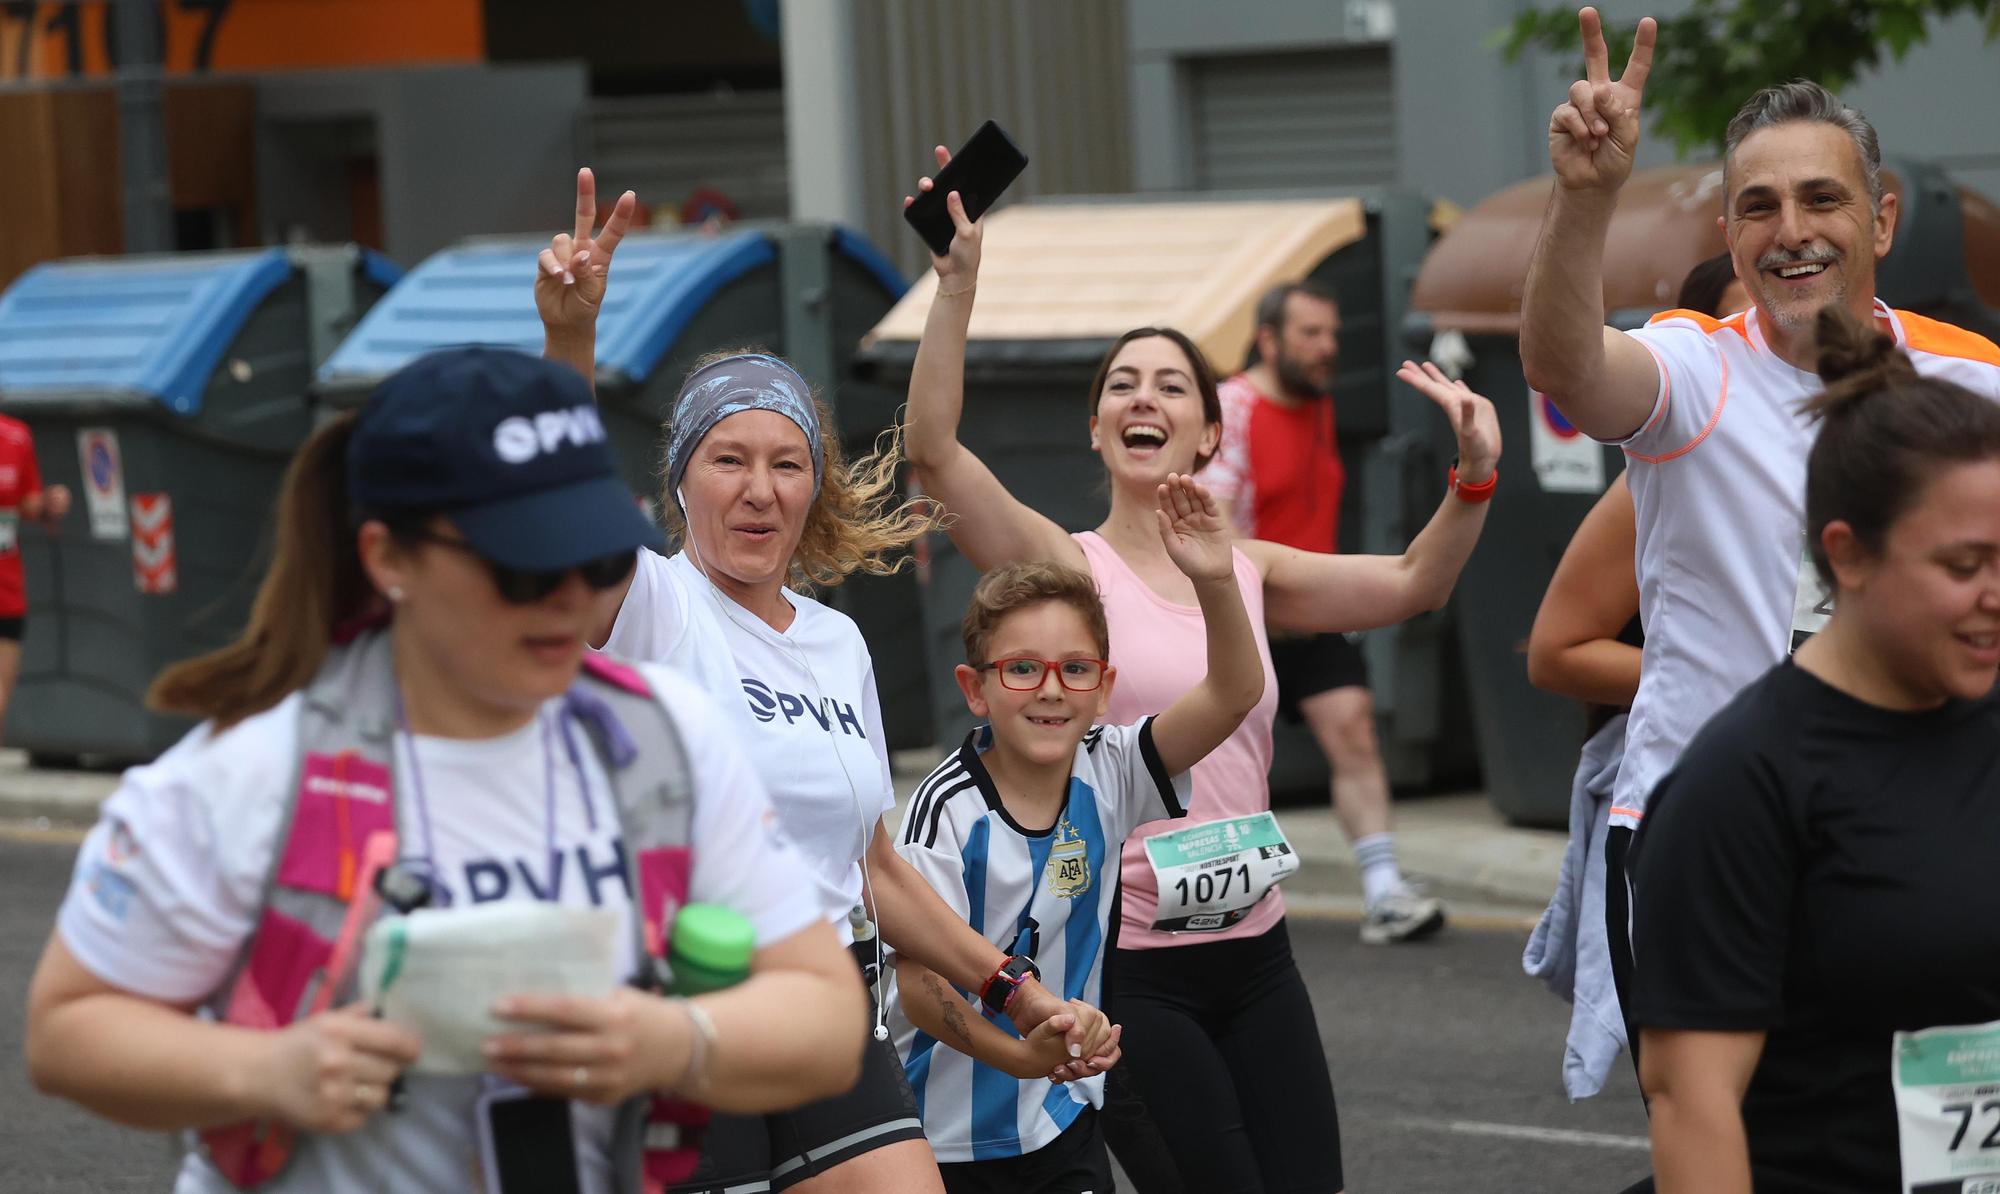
581, 1077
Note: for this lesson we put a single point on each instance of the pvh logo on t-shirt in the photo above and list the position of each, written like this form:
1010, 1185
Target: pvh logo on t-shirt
767, 704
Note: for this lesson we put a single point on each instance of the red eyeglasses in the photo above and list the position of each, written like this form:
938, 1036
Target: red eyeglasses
1026, 675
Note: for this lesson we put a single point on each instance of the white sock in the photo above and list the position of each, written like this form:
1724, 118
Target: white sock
1379, 873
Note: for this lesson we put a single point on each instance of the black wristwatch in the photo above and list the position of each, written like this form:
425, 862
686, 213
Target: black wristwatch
998, 991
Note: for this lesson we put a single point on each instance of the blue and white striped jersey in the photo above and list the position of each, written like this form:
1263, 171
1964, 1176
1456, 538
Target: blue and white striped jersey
1042, 892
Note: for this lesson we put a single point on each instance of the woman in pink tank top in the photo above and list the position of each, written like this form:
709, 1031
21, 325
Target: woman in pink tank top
1207, 992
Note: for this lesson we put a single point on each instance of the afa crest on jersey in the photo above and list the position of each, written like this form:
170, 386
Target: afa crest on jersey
1069, 862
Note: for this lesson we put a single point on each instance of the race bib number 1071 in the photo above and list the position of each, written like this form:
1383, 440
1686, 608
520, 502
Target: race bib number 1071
1212, 875
1947, 1083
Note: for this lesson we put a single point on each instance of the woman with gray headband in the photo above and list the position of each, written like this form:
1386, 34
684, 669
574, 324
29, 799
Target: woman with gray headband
762, 500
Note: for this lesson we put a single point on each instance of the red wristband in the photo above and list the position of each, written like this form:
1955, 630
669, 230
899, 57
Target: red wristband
1469, 493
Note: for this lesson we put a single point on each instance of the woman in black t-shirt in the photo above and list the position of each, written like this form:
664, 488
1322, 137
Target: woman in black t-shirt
1821, 872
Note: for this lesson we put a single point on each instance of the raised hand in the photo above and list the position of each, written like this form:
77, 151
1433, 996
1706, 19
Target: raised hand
1595, 133
576, 267
1192, 527
1472, 419
960, 264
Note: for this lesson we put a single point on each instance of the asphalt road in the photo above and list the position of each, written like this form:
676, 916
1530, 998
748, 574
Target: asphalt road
1445, 1061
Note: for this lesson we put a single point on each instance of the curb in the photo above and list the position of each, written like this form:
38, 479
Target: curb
1456, 844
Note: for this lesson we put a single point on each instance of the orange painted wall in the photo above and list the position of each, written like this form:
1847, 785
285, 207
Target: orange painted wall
251, 35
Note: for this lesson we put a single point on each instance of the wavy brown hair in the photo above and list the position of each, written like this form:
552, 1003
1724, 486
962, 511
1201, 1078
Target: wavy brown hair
860, 522
314, 583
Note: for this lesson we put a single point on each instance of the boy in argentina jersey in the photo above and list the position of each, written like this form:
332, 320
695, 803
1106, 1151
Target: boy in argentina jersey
1014, 830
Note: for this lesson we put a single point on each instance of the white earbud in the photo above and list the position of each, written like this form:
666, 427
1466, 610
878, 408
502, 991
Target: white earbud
395, 594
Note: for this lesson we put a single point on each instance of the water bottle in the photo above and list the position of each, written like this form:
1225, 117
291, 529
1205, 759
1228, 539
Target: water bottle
710, 950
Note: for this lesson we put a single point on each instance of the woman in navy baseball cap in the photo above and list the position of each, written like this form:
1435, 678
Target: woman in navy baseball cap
409, 713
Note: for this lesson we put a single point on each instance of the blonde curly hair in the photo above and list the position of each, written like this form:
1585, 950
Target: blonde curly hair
860, 522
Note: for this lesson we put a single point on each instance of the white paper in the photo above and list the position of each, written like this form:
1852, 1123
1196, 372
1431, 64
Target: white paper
456, 962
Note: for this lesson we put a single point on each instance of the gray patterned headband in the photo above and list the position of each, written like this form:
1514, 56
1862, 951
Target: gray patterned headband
748, 381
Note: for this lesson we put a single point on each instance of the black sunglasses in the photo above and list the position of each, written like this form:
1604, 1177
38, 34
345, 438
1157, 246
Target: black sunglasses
522, 586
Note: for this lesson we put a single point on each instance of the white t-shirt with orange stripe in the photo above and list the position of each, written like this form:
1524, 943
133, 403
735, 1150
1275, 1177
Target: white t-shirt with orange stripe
1718, 476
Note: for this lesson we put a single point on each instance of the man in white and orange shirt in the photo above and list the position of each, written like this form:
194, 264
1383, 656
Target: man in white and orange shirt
21, 498
1708, 411
1280, 476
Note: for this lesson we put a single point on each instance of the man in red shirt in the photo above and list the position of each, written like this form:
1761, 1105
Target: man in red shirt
21, 497
1279, 474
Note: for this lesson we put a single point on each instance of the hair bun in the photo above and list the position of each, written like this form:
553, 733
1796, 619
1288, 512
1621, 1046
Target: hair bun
1849, 349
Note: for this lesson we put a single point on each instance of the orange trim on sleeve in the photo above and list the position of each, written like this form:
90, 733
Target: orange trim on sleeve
1942, 339
1721, 400
1637, 814
1666, 392
1707, 323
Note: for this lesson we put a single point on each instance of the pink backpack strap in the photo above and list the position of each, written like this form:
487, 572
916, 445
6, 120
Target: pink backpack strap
618, 675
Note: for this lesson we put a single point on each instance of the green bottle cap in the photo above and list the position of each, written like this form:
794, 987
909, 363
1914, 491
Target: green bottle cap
714, 939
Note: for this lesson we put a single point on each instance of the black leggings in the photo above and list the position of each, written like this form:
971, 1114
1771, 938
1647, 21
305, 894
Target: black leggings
1223, 1071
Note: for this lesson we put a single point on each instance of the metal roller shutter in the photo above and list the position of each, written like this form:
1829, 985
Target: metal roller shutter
1319, 118
666, 146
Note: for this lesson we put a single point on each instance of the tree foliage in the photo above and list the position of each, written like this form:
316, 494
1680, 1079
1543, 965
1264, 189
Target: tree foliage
1721, 52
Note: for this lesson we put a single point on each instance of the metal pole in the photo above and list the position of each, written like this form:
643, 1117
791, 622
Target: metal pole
142, 127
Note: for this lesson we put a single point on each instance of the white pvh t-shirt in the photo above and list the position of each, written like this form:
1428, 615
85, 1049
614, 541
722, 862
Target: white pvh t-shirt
1718, 477
166, 889
806, 702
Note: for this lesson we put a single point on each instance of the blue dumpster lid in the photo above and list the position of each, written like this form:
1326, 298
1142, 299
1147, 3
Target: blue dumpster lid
481, 293
154, 326
379, 269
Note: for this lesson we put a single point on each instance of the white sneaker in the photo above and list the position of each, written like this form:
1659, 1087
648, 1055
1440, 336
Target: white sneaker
1405, 914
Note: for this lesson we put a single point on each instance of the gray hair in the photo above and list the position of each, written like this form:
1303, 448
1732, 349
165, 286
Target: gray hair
1804, 100
1271, 308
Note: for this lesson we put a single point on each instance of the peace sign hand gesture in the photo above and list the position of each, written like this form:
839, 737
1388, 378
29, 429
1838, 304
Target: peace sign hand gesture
960, 264
575, 268
1594, 135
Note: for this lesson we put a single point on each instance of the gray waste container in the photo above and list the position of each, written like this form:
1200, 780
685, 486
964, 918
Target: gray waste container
1945, 263
805, 291
167, 392
1059, 281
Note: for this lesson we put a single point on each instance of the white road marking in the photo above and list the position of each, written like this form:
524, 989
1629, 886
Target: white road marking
1471, 1127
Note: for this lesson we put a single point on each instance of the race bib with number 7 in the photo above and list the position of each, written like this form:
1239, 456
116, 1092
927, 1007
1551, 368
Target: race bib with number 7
1947, 1083
1212, 875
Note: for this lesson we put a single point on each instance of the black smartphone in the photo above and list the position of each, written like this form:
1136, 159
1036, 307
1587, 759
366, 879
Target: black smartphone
528, 1146
980, 171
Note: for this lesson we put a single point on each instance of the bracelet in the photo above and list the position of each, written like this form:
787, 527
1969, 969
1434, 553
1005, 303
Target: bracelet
1468, 492
987, 986
968, 288
700, 1042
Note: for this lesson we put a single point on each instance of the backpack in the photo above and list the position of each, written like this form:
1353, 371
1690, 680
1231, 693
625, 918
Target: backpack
339, 828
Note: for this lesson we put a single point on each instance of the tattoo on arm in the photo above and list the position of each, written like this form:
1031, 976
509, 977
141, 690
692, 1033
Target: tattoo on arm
953, 1018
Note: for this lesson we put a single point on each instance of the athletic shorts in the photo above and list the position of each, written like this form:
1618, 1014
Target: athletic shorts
1073, 1163
746, 1154
1310, 664
11, 628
